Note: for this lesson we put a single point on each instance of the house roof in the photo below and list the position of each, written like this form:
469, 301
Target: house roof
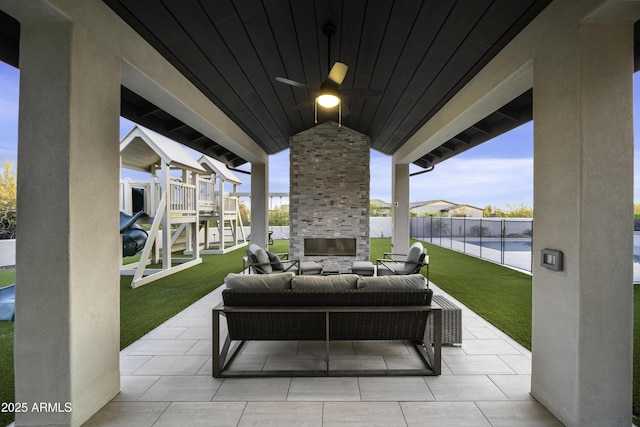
142, 148
381, 203
430, 202
451, 206
462, 206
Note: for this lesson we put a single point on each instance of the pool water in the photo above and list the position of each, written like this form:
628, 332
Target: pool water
509, 246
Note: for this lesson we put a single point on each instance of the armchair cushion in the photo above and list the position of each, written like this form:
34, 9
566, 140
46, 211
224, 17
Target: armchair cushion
391, 268
259, 281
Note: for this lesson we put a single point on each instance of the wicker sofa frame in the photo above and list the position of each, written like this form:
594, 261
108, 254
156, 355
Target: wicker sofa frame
326, 315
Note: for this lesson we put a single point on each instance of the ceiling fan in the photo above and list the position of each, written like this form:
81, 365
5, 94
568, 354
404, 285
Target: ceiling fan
329, 94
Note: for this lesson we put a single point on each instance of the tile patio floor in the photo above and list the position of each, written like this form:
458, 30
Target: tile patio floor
166, 381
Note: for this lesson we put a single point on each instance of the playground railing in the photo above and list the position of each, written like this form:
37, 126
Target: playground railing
207, 194
230, 204
184, 199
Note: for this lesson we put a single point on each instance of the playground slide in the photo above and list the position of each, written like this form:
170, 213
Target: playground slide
7, 302
133, 236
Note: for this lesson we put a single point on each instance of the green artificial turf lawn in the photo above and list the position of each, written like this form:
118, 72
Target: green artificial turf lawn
7, 277
636, 351
6, 369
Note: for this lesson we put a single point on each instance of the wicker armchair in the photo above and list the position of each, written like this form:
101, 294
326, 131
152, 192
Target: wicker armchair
401, 264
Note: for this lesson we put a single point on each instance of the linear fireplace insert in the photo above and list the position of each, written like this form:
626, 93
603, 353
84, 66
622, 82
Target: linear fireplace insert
320, 246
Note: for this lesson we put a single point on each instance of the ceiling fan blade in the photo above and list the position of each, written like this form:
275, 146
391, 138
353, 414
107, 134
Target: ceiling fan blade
338, 73
304, 104
368, 93
291, 82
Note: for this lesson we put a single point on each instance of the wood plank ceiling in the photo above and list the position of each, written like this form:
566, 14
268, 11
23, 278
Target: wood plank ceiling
418, 53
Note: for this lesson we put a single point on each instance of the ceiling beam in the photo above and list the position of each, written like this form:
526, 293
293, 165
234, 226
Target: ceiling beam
449, 146
175, 125
481, 128
147, 110
462, 138
508, 113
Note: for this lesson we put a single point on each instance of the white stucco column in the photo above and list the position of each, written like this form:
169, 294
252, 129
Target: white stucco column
400, 208
259, 203
583, 160
67, 328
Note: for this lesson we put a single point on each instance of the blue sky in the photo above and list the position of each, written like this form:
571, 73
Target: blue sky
498, 172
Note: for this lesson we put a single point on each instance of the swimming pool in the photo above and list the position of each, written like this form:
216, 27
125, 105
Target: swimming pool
509, 245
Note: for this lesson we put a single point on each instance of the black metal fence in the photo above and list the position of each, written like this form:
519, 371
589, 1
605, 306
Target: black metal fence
505, 241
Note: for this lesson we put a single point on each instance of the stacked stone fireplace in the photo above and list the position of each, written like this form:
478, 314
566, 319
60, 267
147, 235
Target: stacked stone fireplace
329, 196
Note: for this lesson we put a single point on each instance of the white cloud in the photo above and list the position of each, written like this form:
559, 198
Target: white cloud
474, 181
478, 182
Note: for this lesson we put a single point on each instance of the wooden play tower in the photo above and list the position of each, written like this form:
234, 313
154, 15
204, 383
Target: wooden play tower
188, 198
220, 207
169, 198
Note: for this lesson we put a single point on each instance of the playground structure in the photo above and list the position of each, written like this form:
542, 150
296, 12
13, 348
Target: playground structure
219, 206
179, 197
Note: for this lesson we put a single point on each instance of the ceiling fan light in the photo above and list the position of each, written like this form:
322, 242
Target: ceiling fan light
328, 100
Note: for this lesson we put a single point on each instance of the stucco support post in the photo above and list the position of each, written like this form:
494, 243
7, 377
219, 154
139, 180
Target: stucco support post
259, 203
67, 329
583, 197
400, 208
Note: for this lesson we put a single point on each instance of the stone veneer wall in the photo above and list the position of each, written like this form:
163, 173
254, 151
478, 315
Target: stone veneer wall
329, 190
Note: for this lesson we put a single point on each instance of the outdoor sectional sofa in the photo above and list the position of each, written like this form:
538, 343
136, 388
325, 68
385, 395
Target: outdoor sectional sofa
286, 306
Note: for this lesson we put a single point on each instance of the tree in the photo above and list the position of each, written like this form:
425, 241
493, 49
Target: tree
8, 197
245, 213
377, 210
279, 216
512, 211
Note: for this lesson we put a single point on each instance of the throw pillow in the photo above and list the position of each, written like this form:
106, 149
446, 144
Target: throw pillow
263, 258
276, 264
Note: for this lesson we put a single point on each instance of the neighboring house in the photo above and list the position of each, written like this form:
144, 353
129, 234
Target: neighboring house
465, 210
444, 208
382, 207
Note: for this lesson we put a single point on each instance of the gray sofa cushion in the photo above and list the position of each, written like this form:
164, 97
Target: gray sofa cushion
411, 281
338, 281
259, 281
